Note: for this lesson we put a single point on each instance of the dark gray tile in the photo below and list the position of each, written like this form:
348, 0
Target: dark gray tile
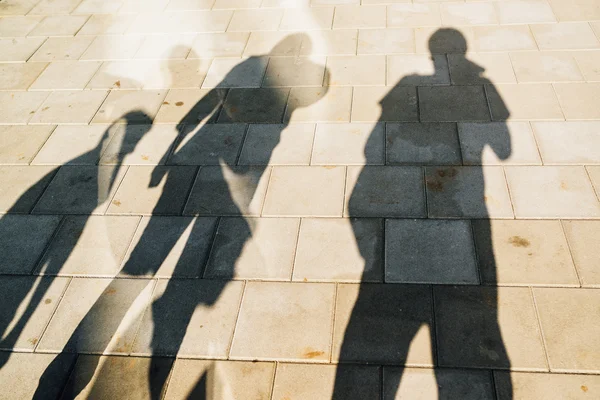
453, 103
254, 105
422, 143
208, 144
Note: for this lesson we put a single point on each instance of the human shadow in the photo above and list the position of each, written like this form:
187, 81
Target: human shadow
207, 137
462, 321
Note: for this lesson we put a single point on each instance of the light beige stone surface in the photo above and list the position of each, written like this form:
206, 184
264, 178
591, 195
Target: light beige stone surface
581, 237
21, 143
69, 107
347, 144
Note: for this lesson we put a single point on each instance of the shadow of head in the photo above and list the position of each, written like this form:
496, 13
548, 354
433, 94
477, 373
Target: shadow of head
291, 45
129, 131
447, 40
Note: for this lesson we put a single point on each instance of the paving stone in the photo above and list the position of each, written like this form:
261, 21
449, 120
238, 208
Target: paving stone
305, 191
253, 249
235, 379
422, 143
523, 102
588, 61
62, 48
19, 76
295, 19
453, 103
348, 144
48, 7
132, 377
524, 12
581, 236
22, 186
255, 20
475, 192
17, 26
568, 142
19, 49
545, 67
433, 40
487, 327
421, 384
415, 14
272, 43
54, 76
468, 14
577, 100
189, 105
209, 144
190, 318
277, 144
21, 143
524, 253
373, 103
399, 312
228, 191
139, 144
332, 2
386, 41
320, 382
340, 250
112, 47
16, 7
493, 143
417, 70
581, 11
319, 104
480, 68
356, 70
364, 16
236, 4
151, 5
26, 370
503, 38
177, 5
106, 24
98, 6
69, 107
551, 192
259, 105
201, 21
563, 36
334, 43
523, 385
165, 46
167, 247
594, 175
569, 320
233, 72
176, 74
126, 74
284, 321
118, 103
59, 25
294, 71
18, 107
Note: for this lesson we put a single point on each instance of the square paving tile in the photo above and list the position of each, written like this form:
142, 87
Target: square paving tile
430, 251
568, 142
19, 144
22, 186
62, 48
349, 144
319, 104
284, 321
569, 320
422, 143
566, 35
208, 144
294, 71
259, 105
453, 103
69, 107
275, 144
305, 191
120, 102
523, 385
581, 236
19, 76
54, 76
382, 103
487, 327
524, 253
552, 192
19, 107
578, 100
19, 49
417, 69
356, 70
340, 249
402, 315
254, 249
190, 318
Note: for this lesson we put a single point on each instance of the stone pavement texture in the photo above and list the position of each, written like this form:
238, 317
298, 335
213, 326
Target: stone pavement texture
294, 199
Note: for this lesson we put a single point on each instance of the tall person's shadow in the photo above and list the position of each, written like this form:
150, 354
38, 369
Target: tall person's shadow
369, 332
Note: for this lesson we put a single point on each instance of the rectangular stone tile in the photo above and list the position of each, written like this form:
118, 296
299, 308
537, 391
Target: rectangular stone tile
255, 20
17, 7
581, 236
523, 102
189, 105
386, 41
305, 191
533, 253
154, 6
111, 47
453, 103
594, 175
265, 251
62, 48
331, 2
571, 327
303, 19
552, 192
421, 383
236, 4
49, 7
319, 104
21, 143
430, 251
503, 38
583, 10
340, 250
22, 186
19, 76
364, 16
422, 143
170, 46
18, 107
107, 24
476, 192
233, 72
201, 21
59, 25
166, 247
356, 70
494, 143
190, 318
182, 74
348, 144
106, 312
55, 78
27, 369
523, 385
284, 321
382, 103
570, 142
545, 67
69, 107
318, 382
228, 191
524, 12
294, 71
579, 101
259, 105
126, 74
227, 378
19, 49
98, 6
404, 15
17, 26
277, 144
480, 68
417, 70
208, 144
263, 43
588, 61
468, 14
398, 312
486, 327
432, 40
120, 102
332, 43
565, 36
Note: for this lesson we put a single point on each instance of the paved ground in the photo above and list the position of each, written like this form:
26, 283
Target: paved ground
300, 201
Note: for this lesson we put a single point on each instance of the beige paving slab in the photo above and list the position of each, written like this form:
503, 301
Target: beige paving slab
364, 16
422, 143
228, 44
552, 192
380, 103
19, 107
276, 144
588, 62
386, 41
284, 321
295, 71
492, 143
107, 24
578, 100
413, 14
569, 142
444, 41
339, 250
17, 26
66, 75
165, 46
569, 320
17, 7
139, 144
583, 10
98, 6
69, 107
523, 385
468, 14
545, 67
266, 252
201, 21
356, 70
524, 12
417, 70
23, 186
177, 74
503, 38
453, 103
178, 105
594, 174
275, 43
19, 49
565, 36
481, 68
227, 378
112, 47
335, 43
523, 102
19, 76
319, 105
236, 4
62, 48
255, 20
331, 2
524, 252
127, 74
581, 236
121, 102
59, 25
233, 72
19, 144
49, 7
305, 191
77, 145
306, 19
348, 144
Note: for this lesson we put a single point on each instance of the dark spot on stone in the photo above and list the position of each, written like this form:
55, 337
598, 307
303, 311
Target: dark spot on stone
434, 185
447, 172
45, 108
118, 84
47, 301
116, 203
584, 388
166, 103
518, 241
33, 340
179, 103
